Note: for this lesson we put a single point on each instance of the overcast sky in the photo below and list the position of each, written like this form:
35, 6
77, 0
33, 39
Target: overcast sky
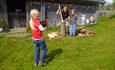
109, 1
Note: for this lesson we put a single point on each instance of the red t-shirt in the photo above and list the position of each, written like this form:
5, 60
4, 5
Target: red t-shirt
36, 33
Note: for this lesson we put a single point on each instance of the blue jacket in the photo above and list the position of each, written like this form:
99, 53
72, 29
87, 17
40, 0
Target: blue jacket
74, 20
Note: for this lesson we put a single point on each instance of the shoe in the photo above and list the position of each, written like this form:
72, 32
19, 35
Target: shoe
35, 63
42, 64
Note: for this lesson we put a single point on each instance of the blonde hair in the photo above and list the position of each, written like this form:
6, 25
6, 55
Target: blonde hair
34, 13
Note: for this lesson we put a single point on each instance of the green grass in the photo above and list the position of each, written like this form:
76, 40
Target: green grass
67, 53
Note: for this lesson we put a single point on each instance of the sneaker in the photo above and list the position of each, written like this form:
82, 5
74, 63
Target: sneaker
42, 64
35, 63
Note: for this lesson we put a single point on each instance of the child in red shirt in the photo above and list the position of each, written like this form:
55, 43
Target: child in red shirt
37, 36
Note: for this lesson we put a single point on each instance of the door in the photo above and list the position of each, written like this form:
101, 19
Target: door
16, 13
17, 20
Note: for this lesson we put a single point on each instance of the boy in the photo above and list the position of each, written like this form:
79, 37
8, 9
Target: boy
37, 36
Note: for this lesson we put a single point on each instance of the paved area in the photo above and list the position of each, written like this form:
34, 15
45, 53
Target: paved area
17, 32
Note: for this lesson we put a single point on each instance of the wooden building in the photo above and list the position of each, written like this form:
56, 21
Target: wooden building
16, 12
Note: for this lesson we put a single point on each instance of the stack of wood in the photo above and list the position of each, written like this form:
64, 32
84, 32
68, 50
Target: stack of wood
85, 32
80, 31
54, 35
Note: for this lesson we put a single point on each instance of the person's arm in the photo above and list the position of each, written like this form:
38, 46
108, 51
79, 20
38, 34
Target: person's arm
38, 24
59, 10
41, 28
68, 18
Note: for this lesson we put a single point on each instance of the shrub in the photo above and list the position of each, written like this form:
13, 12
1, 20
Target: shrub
3, 26
2, 23
112, 16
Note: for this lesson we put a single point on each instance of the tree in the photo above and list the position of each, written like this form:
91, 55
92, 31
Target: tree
108, 7
113, 5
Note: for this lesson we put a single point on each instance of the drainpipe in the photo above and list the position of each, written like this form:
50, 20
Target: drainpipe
43, 13
96, 13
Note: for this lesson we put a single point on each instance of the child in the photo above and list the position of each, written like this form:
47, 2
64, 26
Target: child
37, 36
73, 24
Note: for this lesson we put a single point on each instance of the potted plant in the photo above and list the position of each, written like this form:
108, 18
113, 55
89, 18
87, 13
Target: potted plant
2, 25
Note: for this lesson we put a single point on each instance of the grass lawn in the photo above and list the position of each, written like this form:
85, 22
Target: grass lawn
67, 53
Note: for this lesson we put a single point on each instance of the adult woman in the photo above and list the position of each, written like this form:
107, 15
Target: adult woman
65, 16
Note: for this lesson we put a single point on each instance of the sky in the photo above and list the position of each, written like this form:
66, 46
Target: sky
109, 1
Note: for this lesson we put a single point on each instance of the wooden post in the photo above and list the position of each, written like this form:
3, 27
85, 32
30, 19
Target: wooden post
27, 13
96, 12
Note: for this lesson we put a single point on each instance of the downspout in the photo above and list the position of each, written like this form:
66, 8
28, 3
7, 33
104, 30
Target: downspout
43, 10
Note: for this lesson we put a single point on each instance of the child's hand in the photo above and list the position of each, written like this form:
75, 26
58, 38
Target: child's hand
46, 21
44, 25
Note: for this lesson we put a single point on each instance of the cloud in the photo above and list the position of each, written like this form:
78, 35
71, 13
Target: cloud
109, 1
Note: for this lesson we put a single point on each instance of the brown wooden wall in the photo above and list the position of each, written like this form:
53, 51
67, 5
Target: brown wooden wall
51, 8
31, 5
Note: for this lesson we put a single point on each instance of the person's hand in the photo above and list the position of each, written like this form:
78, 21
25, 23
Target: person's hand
46, 21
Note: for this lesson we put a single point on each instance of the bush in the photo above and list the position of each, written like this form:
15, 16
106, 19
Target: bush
3, 26
112, 16
2, 23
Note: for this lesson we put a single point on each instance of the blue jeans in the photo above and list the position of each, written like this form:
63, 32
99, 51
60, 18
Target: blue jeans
40, 44
72, 30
